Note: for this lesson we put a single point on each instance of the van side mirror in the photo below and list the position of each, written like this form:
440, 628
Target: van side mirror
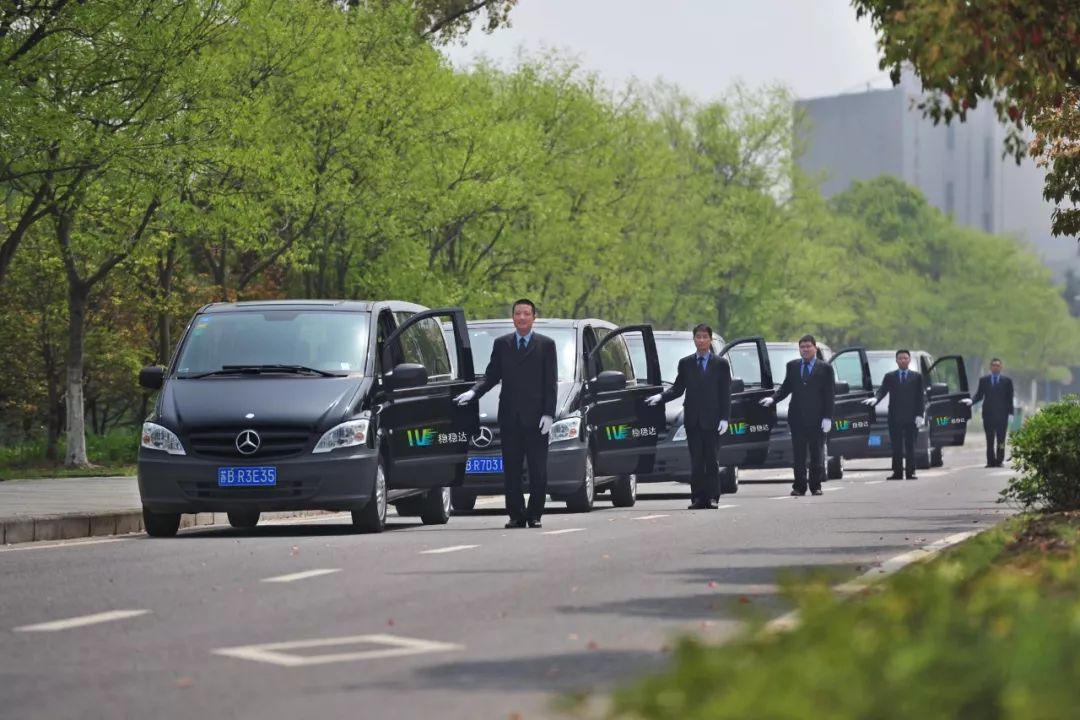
738, 385
406, 375
843, 388
939, 389
609, 381
152, 377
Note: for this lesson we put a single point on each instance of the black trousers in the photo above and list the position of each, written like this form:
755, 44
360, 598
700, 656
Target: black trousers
704, 470
902, 438
808, 441
522, 444
996, 430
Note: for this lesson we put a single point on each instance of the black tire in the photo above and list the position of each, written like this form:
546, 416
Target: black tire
462, 499
372, 517
160, 524
834, 469
937, 458
244, 519
581, 500
922, 459
436, 509
624, 491
729, 480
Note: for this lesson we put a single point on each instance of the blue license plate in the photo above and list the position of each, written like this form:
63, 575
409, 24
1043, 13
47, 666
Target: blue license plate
246, 476
875, 441
484, 465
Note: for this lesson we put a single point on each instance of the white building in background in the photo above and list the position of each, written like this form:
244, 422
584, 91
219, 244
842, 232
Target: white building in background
958, 167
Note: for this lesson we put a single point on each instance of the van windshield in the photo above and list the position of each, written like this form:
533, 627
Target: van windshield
328, 341
482, 338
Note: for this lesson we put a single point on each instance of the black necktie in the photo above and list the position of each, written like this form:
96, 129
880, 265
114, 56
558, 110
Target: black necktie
995, 379
903, 376
701, 362
521, 344
805, 370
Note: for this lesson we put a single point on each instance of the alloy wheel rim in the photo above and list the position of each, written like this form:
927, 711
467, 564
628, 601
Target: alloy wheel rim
380, 493
590, 486
446, 500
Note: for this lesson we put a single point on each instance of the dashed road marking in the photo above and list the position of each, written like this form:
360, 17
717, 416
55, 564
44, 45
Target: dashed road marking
649, 517
874, 482
832, 489
301, 575
563, 531
82, 621
725, 507
450, 549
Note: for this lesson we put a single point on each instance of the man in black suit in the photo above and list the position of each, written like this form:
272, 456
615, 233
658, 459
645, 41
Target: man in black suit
996, 393
907, 405
812, 386
525, 363
706, 380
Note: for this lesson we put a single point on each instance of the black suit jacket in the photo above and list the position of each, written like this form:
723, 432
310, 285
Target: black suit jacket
529, 379
708, 394
907, 400
997, 399
812, 400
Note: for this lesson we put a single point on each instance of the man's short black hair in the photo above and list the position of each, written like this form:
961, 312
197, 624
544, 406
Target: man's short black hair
808, 338
523, 301
996, 360
702, 327
902, 351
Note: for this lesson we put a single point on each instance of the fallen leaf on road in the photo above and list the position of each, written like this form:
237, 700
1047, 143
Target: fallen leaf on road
184, 682
713, 583
744, 600
390, 622
295, 551
515, 716
592, 645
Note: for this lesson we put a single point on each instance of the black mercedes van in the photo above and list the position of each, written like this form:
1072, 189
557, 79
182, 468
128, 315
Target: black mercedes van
308, 405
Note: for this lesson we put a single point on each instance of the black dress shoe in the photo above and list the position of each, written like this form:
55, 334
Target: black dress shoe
894, 476
796, 493
816, 492
698, 505
515, 524
912, 476
535, 524
990, 465
711, 505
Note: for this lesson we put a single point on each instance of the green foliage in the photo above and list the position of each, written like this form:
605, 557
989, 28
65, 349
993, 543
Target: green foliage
117, 448
987, 631
267, 149
1046, 454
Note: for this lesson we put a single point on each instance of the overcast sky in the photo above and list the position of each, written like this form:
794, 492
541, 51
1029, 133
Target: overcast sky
814, 47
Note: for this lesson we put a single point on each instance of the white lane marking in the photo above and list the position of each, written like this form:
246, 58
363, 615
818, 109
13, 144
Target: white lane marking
782, 497
562, 532
392, 646
890, 566
874, 482
301, 575
71, 544
648, 517
82, 621
450, 549
832, 489
934, 473
725, 507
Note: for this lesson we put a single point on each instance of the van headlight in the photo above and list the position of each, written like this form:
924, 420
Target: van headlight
568, 429
347, 434
680, 434
156, 437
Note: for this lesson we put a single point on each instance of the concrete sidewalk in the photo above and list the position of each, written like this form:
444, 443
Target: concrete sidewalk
68, 508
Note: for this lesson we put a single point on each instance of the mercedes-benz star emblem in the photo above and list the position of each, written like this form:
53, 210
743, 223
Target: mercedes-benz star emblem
483, 438
247, 442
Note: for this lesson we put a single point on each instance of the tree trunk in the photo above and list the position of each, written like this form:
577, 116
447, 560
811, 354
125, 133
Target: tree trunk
78, 302
166, 266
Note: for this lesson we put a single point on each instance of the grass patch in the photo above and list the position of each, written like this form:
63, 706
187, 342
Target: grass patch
112, 454
988, 630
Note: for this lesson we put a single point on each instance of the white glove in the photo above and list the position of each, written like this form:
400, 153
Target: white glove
966, 401
1010, 419
919, 421
545, 425
465, 398
766, 402
723, 427
869, 401
654, 399
826, 425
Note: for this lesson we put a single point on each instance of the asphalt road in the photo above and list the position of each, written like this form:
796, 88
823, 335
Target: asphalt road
466, 620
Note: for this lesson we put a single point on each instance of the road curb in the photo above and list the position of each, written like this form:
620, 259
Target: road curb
72, 526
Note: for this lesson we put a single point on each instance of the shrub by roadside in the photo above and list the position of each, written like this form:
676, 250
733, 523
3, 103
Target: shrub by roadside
113, 453
988, 630
1046, 456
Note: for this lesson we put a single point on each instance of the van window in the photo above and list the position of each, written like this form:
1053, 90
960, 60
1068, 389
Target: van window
614, 356
331, 341
848, 369
424, 344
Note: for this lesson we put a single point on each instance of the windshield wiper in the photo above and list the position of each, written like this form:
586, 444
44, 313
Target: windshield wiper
259, 369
